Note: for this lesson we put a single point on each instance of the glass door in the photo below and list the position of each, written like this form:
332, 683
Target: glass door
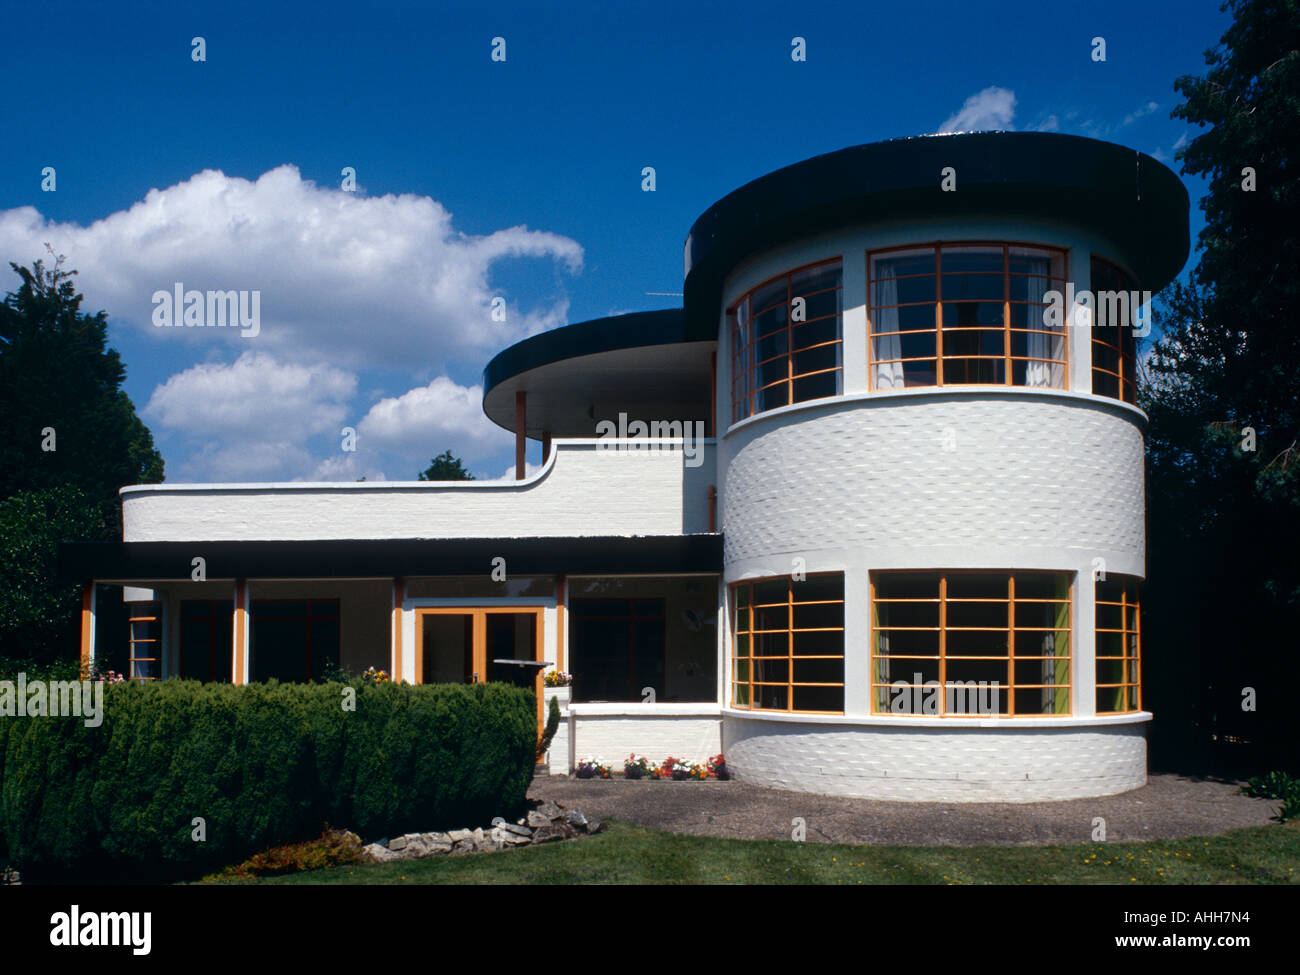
446, 654
474, 644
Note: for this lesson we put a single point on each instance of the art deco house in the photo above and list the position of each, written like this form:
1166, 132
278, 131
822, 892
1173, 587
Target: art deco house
866, 513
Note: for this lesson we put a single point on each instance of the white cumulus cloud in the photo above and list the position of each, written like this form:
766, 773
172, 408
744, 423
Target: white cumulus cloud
430, 419
342, 276
251, 419
992, 108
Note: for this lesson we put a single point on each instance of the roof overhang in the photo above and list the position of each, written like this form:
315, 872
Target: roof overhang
645, 364
390, 558
1123, 195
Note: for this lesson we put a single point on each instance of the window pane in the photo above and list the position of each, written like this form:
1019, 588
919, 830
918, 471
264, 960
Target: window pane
972, 287
769, 296
815, 333
818, 278
970, 314
908, 318
973, 341
907, 585
819, 699
821, 305
773, 396
973, 371
1037, 345
815, 360
972, 259
904, 263
816, 387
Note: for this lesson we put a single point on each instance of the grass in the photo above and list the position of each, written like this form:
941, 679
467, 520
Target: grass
628, 854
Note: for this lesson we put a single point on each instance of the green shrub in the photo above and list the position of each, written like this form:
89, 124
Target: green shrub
1277, 785
548, 733
262, 765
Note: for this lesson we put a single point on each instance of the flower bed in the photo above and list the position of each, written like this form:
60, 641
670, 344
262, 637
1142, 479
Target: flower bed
640, 767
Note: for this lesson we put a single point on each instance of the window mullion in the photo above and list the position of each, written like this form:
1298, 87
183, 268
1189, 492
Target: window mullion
1006, 314
943, 643
938, 315
1011, 645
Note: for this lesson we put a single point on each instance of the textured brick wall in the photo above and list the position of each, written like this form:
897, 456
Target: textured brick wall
585, 492
1044, 479
938, 765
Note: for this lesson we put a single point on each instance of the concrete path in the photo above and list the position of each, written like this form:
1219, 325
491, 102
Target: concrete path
1168, 807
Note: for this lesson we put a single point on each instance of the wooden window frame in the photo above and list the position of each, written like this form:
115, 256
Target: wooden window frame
479, 612
212, 620
1011, 600
1006, 358
255, 617
154, 616
633, 617
790, 656
1130, 597
741, 367
1125, 352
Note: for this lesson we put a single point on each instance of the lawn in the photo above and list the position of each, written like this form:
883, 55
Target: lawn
628, 854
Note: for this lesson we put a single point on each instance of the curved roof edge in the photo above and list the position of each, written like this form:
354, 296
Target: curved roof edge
1120, 193
633, 330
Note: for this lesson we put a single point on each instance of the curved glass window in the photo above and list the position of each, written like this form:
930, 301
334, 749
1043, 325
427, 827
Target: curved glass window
1114, 347
1119, 646
785, 340
961, 314
970, 643
788, 644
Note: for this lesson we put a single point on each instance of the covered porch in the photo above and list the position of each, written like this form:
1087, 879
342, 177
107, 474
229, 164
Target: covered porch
634, 619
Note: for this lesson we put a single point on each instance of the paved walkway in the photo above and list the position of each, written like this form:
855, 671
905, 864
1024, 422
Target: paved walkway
1168, 807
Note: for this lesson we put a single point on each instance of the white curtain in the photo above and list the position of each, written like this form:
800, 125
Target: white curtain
889, 375
1041, 344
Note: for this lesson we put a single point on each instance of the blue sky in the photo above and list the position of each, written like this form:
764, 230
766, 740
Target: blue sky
475, 178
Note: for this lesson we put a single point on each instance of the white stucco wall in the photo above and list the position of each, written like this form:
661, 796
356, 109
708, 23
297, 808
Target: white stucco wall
611, 732
1032, 480
582, 490
970, 477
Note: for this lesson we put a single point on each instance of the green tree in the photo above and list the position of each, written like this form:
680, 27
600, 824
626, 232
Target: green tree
445, 467
60, 387
69, 439
38, 611
1223, 394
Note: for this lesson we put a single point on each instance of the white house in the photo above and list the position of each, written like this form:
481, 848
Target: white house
866, 514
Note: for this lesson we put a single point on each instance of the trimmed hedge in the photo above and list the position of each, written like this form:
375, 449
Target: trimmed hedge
263, 765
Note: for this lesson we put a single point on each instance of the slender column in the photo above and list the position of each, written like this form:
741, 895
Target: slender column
521, 433
561, 583
239, 668
399, 600
87, 628
546, 446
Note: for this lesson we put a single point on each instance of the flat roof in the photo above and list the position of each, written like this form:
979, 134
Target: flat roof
1124, 195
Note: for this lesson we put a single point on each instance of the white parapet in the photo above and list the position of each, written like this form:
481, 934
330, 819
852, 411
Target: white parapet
609, 733
586, 487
